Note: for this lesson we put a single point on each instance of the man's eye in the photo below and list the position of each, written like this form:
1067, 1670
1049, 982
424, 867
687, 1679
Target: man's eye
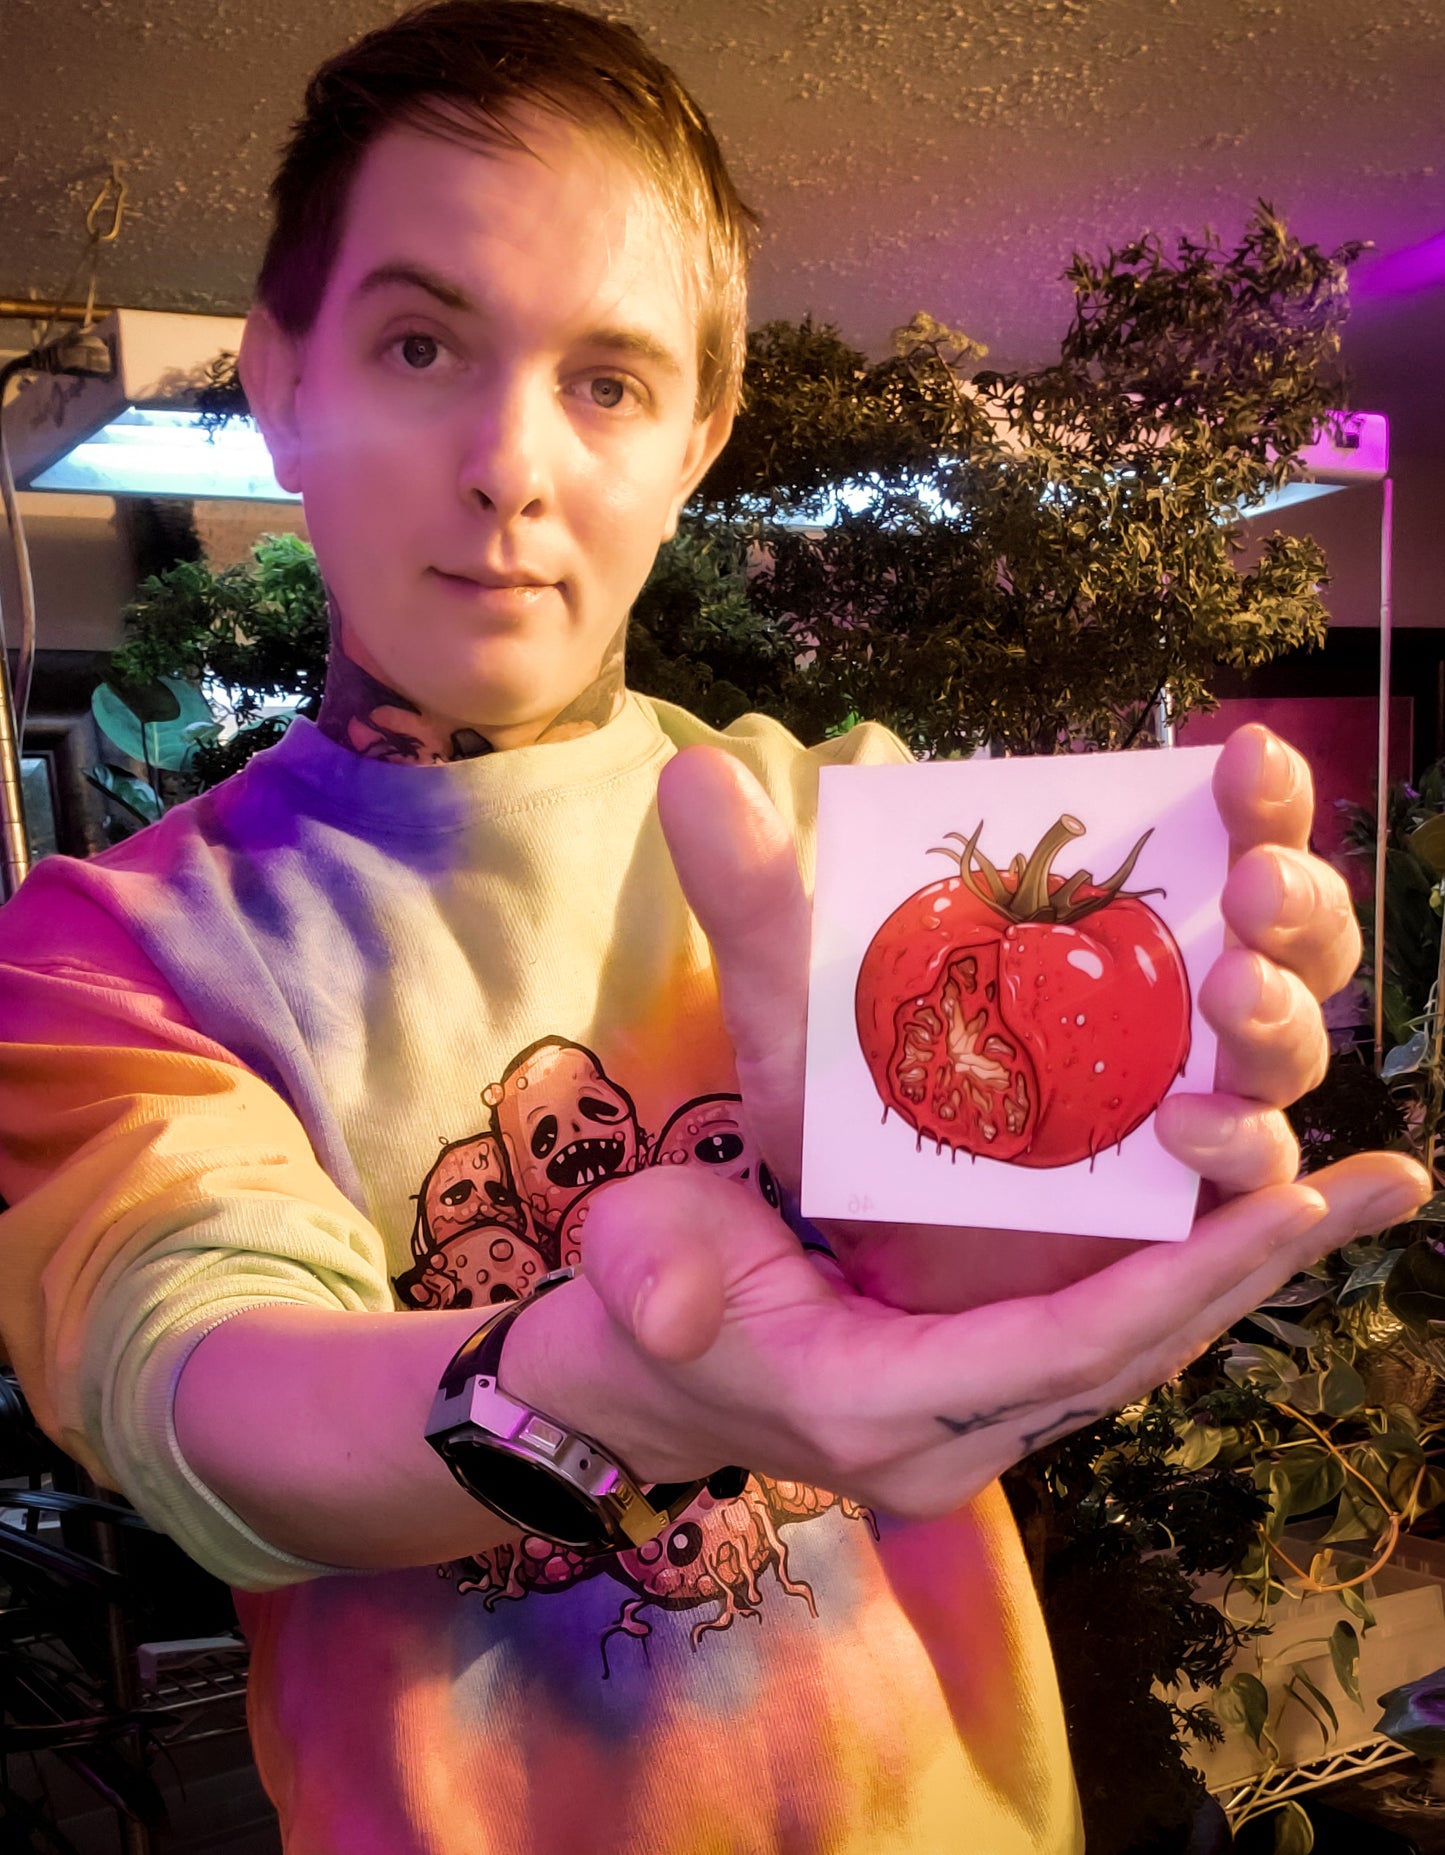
418, 351
608, 391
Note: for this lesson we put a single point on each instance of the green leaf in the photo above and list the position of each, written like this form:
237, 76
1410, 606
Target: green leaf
1352, 1597
131, 794
1345, 1654
1306, 1393
1405, 1058
1357, 1517
1294, 1833
1320, 1701
1342, 1390
1243, 1701
150, 723
1196, 1446
1302, 1292
1274, 1480
1358, 1283
1313, 1477
1287, 1330
1415, 1292
1265, 1366
1428, 842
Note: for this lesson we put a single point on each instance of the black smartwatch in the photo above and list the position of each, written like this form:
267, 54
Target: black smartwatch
536, 1473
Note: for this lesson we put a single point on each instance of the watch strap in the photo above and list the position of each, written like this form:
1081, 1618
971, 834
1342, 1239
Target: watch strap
481, 1413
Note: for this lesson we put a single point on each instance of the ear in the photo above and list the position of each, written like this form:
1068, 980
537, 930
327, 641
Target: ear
269, 363
704, 445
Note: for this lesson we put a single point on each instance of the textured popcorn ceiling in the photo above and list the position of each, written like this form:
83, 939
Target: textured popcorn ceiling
940, 154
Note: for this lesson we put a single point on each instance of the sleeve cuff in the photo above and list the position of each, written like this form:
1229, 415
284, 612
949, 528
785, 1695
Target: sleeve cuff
167, 1492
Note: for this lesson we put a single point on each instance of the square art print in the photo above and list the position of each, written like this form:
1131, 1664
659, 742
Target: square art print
1006, 960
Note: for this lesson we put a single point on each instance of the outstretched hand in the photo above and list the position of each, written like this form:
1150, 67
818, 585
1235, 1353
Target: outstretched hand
1293, 942
713, 1339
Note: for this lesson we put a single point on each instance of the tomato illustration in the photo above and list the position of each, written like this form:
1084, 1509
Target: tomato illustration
1021, 1015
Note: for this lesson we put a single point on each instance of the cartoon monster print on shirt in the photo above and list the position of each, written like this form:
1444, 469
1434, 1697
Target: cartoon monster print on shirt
470, 1243
500, 1208
564, 1126
711, 1132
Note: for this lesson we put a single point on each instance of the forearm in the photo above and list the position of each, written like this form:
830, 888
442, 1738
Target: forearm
310, 1426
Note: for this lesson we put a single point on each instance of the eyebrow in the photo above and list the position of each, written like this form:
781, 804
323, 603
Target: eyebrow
401, 275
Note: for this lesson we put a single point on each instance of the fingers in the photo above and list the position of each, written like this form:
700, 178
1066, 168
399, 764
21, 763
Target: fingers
1272, 1042
1136, 1325
1296, 911
736, 865
1156, 1304
1263, 790
1366, 1193
1235, 1143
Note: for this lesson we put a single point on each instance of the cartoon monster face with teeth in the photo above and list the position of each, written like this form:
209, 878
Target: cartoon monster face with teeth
564, 1125
711, 1132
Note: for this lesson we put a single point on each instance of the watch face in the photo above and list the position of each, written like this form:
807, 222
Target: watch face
525, 1494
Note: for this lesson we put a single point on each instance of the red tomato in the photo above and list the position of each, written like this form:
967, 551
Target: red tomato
1021, 1015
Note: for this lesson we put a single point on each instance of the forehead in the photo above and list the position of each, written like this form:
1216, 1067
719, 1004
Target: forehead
564, 230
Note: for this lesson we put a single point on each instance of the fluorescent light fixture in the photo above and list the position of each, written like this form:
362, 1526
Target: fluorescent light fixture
1287, 497
136, 432
1351, 447
148, 451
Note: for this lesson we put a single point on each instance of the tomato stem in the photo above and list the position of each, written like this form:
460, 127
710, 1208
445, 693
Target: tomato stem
1023, 893
1031, 898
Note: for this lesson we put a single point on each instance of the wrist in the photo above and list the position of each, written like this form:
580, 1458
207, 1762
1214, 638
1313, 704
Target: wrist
542, 1476
567, 1357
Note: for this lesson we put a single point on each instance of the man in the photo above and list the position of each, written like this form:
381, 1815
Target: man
419, 1009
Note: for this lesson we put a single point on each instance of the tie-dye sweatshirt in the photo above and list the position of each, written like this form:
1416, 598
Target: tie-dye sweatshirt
351, 1035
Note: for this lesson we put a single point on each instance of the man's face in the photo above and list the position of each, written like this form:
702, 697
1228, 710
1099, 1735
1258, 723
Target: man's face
499, 388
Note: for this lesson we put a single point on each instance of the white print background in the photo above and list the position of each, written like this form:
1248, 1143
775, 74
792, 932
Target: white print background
875, 829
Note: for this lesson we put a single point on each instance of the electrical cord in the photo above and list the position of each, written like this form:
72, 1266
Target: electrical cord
77, 354
72, 353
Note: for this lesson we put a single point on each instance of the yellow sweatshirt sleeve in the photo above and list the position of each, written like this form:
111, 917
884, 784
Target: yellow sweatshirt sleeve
153, 1194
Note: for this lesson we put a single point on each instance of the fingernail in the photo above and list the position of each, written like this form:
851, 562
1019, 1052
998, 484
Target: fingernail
1274, 764
1296, 892
1275, 1000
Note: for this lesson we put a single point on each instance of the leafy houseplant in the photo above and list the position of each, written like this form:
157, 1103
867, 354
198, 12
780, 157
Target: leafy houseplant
1047, 552
249, 636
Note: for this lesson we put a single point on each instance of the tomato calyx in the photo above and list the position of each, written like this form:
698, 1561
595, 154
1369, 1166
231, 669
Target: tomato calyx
1029, 891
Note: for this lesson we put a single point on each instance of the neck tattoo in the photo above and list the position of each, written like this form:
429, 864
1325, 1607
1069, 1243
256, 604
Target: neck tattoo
362, 712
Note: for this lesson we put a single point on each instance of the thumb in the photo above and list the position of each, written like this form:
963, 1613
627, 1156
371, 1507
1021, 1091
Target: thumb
656, 1243
737, 868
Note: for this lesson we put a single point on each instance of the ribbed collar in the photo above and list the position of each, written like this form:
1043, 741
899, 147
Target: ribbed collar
347, 789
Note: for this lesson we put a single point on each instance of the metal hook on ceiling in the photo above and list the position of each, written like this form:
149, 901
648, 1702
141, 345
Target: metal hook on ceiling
112, 193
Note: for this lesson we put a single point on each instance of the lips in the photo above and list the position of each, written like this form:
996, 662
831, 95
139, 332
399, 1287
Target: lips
497, 581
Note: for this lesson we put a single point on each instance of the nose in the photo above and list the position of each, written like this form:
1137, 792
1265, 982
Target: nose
505, 460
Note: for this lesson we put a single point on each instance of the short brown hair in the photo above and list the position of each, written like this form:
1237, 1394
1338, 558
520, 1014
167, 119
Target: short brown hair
481, 56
